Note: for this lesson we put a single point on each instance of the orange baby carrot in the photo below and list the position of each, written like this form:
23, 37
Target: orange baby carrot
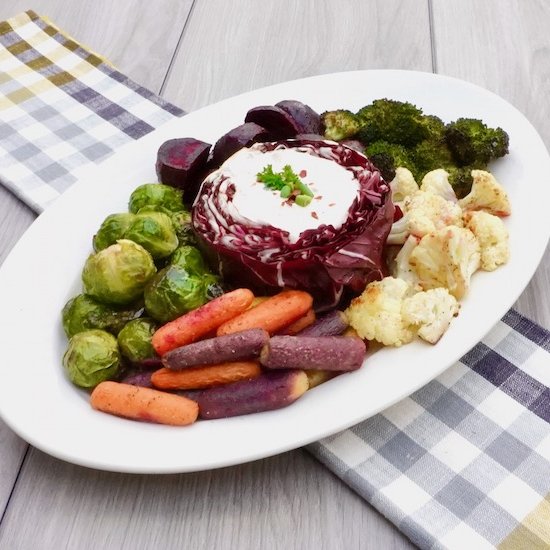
198, 323
141, 403
208, 376
272, 315
302, 323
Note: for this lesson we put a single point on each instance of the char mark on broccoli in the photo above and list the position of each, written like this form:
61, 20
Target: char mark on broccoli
387, 157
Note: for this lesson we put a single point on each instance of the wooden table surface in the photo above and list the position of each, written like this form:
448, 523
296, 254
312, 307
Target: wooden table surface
195, 52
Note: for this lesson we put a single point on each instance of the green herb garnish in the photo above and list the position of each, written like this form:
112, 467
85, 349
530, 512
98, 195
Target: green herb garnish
287, 182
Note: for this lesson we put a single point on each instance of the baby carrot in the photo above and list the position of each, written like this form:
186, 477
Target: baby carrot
272, 315
201, 321
208, 376
303, 322
141, 403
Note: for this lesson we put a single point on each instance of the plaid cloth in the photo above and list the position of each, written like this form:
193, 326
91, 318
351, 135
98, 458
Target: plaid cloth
62, 108
462, 463
465, 461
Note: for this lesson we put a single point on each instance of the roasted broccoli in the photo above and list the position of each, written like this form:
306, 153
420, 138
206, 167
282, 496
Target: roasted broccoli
473, 143
340, 124
393, 121
387, 157
429, 155
460, 179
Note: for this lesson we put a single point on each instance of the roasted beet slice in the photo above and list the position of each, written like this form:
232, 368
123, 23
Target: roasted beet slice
241, 136
307, 120
181, 163
274, 119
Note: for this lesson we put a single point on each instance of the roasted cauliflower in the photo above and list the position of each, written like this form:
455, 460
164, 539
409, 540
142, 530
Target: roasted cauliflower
402, 185
437, 182
430, 312
486, 194
376, 313
446, 258
401, 268
492, 236
427, 212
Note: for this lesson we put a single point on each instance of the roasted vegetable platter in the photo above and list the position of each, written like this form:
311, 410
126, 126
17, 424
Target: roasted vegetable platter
61, 243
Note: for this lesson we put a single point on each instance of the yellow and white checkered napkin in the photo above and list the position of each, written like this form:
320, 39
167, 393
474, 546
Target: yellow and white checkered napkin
62, 108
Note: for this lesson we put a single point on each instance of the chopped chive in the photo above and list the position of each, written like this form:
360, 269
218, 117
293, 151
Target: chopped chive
285, 191
304, 189
303, 200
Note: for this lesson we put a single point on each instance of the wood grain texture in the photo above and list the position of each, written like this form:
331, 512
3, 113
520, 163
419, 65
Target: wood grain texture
504, 46
137, 36
288, 501
250, 44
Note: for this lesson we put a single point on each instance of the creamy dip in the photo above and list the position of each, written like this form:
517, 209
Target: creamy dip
334, 189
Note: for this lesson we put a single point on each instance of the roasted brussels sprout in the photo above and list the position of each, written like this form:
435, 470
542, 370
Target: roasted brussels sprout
184, 229
155, 232
84, 313
157, 195
134, 340
172, 292
92, 357
190, 259
119, 273
112, 229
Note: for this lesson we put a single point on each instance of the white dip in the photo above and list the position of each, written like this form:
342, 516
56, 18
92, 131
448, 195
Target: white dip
333, 186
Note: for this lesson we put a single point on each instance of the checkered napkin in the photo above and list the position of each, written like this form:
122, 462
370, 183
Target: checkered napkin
62, 109
463, 463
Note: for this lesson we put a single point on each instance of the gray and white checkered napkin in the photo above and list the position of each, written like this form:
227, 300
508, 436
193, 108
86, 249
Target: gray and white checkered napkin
462, 463
465, 461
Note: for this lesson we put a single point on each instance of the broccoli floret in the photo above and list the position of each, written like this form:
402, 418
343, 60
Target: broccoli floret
434, 128
474, 143
393, 121
429, 155
460, 179
387, 157
340, 124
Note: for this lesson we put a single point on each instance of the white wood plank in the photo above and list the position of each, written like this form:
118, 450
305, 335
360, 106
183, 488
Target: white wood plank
503, 45
137, 36
288, 501
232, 47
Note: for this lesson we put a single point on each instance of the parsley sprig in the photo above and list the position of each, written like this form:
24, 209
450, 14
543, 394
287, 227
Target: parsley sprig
287, 182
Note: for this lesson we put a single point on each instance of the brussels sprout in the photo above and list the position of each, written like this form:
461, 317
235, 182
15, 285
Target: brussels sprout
134, 340
156, 194
184, 229
181, 222
112, 229
119, 273
174, 291
83, 313
92, 357
190, 259
155, 232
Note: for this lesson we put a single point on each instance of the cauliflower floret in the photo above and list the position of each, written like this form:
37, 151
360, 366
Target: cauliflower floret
400, 268
437, 182
486, 194
376, 313
492, 236
426, 212
431, 311
446, 258
402, 185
